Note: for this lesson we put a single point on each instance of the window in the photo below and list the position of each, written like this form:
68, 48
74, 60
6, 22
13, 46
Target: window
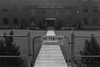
15, 21
23, 23
69, 21
51, 11
43, 11
68, 11
32, 11
95, 9
95, 0
95, 20
5, 21
32, 20
84, 0
85, 9
5, 10
57, 12
85, 20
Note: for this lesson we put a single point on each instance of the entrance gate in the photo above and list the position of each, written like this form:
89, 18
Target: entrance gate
52, 41
50, 22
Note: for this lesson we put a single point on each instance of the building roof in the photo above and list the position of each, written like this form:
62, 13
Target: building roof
51, 2
38, 2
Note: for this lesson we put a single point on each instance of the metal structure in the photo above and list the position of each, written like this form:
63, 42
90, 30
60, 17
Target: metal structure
55, 38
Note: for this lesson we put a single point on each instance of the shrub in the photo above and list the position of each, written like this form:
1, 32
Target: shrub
91, 48
8, 48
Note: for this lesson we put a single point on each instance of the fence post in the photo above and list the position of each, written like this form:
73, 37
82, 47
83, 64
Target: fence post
33, 48
29, 48
72, 49
68, 51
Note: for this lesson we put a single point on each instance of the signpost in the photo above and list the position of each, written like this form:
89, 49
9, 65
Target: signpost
55, 40
52, 39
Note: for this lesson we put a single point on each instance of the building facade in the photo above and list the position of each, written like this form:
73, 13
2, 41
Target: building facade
89, 13
47, 13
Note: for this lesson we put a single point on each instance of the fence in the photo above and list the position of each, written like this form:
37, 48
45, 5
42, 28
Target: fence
84, 54
74, 47
15, 54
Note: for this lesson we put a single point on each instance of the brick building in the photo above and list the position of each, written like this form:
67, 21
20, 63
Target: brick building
47, 13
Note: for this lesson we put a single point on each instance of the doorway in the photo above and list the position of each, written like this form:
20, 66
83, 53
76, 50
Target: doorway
50, 22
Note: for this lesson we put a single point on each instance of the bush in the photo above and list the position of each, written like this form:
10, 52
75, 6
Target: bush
8, 48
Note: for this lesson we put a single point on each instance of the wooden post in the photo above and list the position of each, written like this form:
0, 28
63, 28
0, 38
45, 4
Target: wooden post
72, 49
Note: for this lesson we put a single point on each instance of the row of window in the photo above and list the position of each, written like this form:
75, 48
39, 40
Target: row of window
85, 9
68, 11
85, 20
6, 21
94, 20
92, 0
33, 11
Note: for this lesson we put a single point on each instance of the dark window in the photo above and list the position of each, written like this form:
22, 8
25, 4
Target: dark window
32, 20
85, 20
95, 0
32, 11
85, 9
57, 12
69, 21
23, 23
5, 10
84, 0
51, 12
43, 11
95, 9
5, 21
68, 11
95, 20
15, 21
